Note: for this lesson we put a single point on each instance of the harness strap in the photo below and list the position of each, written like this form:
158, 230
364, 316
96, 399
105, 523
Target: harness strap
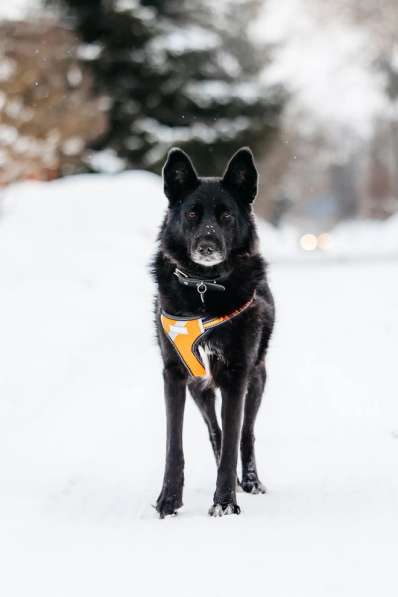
186, 333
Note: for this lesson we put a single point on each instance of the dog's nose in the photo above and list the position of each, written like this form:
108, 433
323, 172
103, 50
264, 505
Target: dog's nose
206, 248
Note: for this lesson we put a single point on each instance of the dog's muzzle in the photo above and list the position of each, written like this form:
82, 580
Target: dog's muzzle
207, 252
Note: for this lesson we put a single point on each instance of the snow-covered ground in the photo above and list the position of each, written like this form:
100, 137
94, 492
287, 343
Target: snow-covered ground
82, 421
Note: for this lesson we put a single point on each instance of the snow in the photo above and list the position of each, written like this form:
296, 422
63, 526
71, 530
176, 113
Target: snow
8, 134
7, 69
82, 418
350, 240
366, 239
178, 40
165, 136
73, 146
206, 92
18, 9
89, 51
106, 161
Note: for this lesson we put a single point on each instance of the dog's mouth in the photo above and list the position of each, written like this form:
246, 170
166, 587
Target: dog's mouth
207, 260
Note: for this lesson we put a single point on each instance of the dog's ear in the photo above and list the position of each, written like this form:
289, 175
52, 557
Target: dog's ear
179, 176
240, 176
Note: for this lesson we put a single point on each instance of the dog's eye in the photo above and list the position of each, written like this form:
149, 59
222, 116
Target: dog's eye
192, 215
227, 216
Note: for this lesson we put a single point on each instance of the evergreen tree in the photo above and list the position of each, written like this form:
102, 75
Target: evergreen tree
175, 76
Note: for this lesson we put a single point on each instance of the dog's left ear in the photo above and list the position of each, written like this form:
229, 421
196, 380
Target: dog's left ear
179, 176
240, 176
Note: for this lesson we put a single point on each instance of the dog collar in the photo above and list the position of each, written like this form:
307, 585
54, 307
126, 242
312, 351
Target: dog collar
185, 333
202, 285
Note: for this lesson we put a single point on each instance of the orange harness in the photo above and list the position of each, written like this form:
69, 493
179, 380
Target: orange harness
185, 334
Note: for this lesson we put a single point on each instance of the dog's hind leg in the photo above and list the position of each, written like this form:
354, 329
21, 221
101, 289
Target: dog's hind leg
205, 400
250, 481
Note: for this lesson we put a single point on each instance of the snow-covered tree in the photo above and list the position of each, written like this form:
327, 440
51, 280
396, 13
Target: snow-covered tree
338, 145
176, 72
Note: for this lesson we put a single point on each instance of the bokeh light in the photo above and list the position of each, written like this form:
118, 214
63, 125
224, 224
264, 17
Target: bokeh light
308, 242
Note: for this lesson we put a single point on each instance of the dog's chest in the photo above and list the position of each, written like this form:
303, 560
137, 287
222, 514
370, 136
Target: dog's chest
207, 350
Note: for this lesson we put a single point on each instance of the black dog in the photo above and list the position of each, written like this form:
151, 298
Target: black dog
214, 317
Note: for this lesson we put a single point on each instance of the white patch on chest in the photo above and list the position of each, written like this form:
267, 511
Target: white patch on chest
205, 351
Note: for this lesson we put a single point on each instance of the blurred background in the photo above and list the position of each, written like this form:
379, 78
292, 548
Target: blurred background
312, 87
92, 95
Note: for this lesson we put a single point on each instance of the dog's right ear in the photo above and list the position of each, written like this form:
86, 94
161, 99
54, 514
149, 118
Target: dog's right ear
241, 176
179, 176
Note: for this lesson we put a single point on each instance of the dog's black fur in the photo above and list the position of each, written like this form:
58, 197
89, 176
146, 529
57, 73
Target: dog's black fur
211, 218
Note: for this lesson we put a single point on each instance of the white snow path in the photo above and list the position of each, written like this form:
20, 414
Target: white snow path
82, 421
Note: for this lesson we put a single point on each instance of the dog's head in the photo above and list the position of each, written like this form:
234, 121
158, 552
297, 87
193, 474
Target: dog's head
209, 219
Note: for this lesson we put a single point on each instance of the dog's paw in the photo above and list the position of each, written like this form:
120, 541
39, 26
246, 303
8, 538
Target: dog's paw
252, 484
223, 510
167, 505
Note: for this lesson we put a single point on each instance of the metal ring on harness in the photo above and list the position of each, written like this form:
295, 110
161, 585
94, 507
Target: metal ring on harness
201, 288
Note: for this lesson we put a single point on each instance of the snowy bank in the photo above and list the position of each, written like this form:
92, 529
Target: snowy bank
82, 419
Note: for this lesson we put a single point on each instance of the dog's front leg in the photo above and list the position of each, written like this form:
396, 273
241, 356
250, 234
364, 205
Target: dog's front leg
233, 388
170, 498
